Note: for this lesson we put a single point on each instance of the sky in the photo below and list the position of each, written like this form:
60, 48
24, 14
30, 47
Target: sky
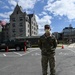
57, 13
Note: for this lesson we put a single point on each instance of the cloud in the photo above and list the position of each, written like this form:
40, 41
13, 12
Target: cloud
12, 2
26, 4
5, 15
5, 7
42, 1
43, 13
1, 2
61, 8
46, 19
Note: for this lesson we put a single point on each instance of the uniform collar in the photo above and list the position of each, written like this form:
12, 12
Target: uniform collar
48, 36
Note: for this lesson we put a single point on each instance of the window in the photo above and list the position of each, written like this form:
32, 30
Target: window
27, 19
13, 19
34, 18
13, 24
28, 25
28, 30
17, 12
21, 34
7, 36
14, 30
21, 29
32, 32
32, 22
21, 18
37, 26
13, 35
21, 24
32, 27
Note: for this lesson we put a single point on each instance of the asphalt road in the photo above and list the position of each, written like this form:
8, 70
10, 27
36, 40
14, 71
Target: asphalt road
29, 62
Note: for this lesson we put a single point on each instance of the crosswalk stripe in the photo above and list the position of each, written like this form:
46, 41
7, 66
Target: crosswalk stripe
4, 54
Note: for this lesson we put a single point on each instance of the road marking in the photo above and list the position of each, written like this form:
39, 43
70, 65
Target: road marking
4, 54
35, 54
1, 69
61, 53
72, 50
18, 53
29, 52
25, 52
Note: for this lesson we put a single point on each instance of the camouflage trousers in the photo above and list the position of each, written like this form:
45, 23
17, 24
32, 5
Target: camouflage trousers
44, 62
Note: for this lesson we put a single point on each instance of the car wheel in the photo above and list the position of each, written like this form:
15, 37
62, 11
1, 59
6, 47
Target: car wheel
17, 48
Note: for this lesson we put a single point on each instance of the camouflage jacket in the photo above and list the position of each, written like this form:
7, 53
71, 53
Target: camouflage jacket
47, 44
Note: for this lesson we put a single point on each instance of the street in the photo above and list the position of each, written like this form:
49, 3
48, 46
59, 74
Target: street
29, 62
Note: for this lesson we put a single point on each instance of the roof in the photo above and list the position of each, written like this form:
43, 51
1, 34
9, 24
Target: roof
30, 15
68, 28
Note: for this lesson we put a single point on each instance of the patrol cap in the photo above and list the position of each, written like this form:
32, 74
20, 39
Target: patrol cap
47, 26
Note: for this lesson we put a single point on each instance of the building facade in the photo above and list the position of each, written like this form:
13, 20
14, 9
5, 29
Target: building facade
4, 34
33, 25
22, 24
69, 34
6, 31
56, 34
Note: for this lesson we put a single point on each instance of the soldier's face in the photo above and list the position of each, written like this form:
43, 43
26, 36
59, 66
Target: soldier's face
47, 30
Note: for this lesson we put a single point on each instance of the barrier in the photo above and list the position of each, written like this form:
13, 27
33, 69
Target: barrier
62, 47
7, 49
24, 48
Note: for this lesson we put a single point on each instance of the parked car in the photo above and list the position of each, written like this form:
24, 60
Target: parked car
14, 44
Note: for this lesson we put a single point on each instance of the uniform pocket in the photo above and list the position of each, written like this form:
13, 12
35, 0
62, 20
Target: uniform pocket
44, 50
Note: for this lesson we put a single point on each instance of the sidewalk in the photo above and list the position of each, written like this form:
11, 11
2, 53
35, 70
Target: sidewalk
60, 45
72, 45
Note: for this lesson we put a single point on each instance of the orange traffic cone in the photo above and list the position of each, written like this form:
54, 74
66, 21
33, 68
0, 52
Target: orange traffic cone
62, 47
7, 49
24, 48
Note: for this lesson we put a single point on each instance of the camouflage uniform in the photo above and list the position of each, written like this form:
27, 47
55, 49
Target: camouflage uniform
47, 46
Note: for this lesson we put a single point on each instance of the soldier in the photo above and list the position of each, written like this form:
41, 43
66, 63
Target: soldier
47, 44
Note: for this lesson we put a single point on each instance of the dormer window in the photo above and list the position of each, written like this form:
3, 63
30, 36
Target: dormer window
21, 18
17, 12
